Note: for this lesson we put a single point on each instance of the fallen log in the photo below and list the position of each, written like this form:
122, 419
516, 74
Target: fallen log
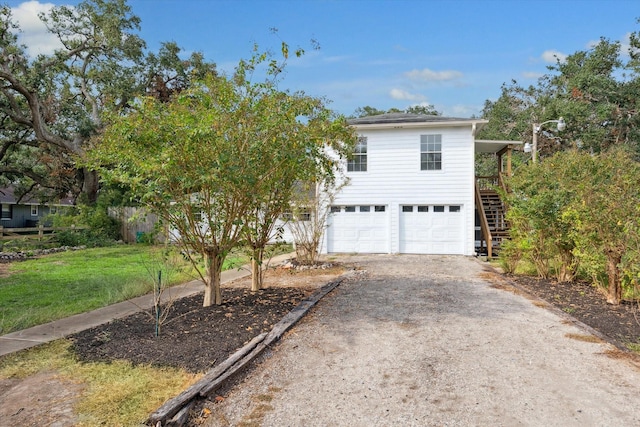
173, 406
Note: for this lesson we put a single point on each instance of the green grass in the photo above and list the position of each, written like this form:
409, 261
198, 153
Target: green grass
56, 286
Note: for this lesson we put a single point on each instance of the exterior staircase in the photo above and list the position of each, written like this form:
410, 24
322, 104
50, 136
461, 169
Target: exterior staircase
493, 225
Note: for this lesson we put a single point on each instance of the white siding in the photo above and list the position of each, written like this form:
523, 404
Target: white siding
394, 178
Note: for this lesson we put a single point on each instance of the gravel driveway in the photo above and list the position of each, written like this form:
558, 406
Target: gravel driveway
427, 341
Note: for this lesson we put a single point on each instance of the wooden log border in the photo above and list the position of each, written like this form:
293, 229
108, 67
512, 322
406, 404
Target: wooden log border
174, 412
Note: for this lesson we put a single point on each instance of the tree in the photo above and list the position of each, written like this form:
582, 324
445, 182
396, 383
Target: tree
605, 221
287, 153
367, 111
53, 103
214, 160
427, 110
593, 90
50, 106
310, 211
539, 229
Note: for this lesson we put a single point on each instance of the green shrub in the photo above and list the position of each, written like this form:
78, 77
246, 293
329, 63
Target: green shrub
577, 213
101, 229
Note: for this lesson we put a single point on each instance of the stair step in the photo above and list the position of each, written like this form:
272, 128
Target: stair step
494, 212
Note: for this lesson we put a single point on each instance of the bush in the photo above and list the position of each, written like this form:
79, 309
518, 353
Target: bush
102, 229
577, 210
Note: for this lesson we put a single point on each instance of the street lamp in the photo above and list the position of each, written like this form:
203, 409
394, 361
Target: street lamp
536, 128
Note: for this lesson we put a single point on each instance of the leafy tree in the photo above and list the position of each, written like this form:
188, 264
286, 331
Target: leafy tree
367, 111
428, 110
51, 105
286, 151
604, 220
593, 90
540, 232
218, 160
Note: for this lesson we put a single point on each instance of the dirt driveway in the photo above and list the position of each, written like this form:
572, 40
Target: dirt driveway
428, 341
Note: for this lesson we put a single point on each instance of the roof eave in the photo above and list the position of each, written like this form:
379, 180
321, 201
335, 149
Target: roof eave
475, 123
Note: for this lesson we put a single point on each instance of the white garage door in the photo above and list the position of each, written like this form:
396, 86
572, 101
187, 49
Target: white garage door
359, 229
431, 229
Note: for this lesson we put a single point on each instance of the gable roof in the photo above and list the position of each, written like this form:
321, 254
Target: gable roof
7, 196
401, 120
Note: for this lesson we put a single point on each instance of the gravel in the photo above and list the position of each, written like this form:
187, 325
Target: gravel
428, 341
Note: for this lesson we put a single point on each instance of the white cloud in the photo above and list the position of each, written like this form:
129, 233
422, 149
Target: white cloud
34, 34
591, 44
531, 75
461, 110
427, 75
553, 56
406, 96
625, 45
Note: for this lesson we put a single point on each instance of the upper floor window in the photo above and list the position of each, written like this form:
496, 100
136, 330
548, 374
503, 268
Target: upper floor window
430, 152
359, 161
34, 210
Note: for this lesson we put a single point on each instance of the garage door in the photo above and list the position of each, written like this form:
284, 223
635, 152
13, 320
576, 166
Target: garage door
359, 229
431, 229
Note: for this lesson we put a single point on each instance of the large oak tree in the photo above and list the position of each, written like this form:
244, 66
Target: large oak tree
51, 105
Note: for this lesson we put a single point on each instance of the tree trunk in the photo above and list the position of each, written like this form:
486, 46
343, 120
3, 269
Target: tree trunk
255, 275
90, 185
614, 292
256, 269
212, 292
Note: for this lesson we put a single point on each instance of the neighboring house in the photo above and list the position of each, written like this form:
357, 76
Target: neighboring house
411, 187
27, 212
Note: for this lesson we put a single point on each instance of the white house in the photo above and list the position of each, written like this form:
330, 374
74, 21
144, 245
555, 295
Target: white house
411, 187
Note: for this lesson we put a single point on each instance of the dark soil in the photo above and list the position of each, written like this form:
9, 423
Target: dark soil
193, 337
583, 301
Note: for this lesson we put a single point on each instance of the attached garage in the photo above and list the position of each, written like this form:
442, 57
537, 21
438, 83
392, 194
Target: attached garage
431, 229
361, 229
419, 229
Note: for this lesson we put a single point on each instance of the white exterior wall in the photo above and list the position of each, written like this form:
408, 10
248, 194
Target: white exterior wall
393, 177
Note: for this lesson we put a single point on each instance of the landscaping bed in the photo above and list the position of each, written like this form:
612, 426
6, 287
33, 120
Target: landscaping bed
194, 338
587, 304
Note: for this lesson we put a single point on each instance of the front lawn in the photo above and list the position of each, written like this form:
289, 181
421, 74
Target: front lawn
55, 286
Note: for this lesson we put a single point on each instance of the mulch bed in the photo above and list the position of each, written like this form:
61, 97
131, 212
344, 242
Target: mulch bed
193, 337
587, 304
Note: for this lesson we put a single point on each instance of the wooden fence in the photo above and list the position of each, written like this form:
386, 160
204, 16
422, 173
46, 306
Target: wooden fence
135, 223
39, 232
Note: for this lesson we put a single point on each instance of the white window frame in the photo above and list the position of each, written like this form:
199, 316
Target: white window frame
431, 152
359, 161
34, 210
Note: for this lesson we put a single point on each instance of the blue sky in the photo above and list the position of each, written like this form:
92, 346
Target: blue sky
452, 54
